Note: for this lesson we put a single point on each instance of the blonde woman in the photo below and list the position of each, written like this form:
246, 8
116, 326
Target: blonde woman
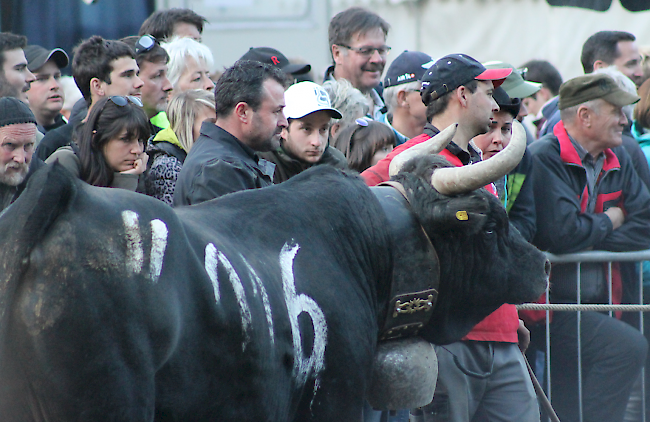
167, 151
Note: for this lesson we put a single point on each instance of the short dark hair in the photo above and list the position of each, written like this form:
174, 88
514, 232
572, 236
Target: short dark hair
352, 20
106, 121
242, 82
160, 24
154, 55
543, 72
92, 59
603, 46
8, 42
439, 105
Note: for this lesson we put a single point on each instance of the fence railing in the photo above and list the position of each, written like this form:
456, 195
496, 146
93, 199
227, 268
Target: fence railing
593, 257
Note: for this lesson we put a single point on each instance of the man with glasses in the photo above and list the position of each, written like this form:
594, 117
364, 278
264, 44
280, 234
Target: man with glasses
357, 40
407, 114
101, 68
152, 60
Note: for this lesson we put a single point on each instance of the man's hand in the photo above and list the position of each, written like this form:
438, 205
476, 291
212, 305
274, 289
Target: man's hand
524, 336
615, 214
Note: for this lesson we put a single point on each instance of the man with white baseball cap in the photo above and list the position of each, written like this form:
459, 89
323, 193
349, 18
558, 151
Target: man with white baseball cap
304, 141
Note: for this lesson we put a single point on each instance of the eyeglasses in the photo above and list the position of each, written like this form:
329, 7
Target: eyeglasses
144, 44
368, 51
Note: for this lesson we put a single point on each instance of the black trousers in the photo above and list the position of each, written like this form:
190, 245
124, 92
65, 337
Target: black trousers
613, 354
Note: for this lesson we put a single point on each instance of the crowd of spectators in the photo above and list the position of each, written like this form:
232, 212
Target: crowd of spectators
153, 119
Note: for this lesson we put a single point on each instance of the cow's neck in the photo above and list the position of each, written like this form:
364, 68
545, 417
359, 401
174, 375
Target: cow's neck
416, 270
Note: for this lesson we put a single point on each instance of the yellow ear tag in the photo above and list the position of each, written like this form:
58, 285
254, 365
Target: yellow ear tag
461, 215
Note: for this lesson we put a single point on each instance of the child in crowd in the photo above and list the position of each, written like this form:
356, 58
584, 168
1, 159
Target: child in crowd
365, 143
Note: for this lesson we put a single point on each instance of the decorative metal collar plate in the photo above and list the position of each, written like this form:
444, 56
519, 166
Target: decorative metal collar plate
414, 305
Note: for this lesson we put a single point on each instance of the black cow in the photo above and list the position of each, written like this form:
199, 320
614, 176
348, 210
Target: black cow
259, 306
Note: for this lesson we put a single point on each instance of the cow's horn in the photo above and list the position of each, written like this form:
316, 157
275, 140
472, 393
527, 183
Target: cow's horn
454, 180
431, 146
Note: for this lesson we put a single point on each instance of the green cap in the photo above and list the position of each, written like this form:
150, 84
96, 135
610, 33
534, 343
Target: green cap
592, 87
515, 84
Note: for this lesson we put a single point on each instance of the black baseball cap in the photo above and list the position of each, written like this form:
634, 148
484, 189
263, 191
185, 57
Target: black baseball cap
454, 70
505, 103
273, 57
407, 67
37, 56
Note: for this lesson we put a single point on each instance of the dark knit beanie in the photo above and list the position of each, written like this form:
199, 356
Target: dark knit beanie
13, 111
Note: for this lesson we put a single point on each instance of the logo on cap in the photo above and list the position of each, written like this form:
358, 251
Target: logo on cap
321, 97
405, 76
275, 60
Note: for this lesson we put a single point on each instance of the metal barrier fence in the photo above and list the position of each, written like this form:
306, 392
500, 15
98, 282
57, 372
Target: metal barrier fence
594, 257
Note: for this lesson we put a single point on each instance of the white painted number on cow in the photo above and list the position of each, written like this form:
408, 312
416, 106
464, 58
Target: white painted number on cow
158, 246
258, 288
134, 253
297, 304
304, 366
212, 259
211, 262
134, 250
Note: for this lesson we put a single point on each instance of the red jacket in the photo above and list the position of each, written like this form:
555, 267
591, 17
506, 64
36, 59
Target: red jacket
501, 325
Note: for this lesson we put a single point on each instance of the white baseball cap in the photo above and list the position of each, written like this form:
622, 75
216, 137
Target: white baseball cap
305, 98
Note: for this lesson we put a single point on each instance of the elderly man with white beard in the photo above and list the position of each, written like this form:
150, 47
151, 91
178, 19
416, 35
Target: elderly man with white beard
17, 138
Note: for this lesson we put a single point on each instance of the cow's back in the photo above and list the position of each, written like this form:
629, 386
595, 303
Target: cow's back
126, 308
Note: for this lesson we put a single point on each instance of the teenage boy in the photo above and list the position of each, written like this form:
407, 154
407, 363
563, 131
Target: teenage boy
304, 141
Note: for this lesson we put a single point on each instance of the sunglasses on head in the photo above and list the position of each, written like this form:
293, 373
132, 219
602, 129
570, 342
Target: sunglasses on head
144, 44
120, 101
360, 123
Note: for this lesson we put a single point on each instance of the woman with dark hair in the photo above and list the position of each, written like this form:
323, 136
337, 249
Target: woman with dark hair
364, 143
109, 150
